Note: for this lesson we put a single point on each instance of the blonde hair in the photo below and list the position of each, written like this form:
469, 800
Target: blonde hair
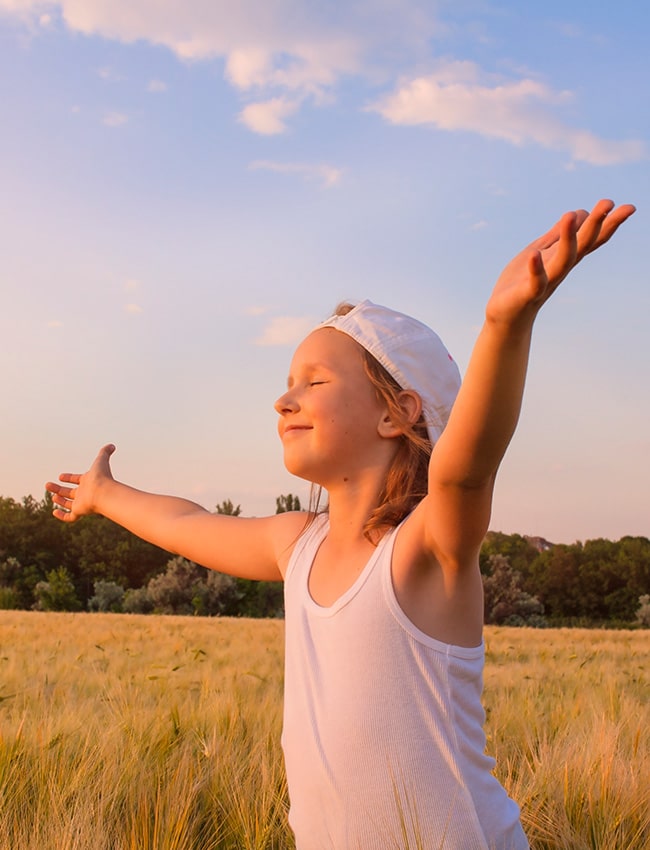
407, 478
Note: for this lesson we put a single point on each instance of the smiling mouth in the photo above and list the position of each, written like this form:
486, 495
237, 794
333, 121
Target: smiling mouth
296, 428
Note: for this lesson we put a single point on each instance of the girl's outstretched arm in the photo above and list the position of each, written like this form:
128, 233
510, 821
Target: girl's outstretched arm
465, 460
255, 548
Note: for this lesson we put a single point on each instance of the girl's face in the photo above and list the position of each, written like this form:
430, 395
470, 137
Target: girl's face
330, 414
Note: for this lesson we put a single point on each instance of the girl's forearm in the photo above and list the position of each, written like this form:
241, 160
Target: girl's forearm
487, 409
150, 516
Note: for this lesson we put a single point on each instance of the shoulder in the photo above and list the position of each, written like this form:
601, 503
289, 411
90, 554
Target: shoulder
287, 529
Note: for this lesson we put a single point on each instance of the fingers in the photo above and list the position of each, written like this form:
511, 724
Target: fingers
579, 233
70, 477
63, 515
590, 229
601, 224
63, 498
76, 501
560, 255
610, 223
59, 492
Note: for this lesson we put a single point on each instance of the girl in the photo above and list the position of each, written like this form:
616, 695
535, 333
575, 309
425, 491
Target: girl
382, 733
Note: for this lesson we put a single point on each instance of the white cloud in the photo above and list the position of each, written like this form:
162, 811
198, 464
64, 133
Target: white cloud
267, 117
156, 86
458, 97
132, 309
286, 330
248, 67
327, 175
55, 323
296, 48
286, 52
114, 119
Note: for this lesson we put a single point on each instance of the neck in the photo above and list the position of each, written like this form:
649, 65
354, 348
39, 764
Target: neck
349, 509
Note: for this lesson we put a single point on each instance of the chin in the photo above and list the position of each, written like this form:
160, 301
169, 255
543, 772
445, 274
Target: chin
298, 467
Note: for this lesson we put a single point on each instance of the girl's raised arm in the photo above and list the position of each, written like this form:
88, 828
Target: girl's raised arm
255, 548
466, 458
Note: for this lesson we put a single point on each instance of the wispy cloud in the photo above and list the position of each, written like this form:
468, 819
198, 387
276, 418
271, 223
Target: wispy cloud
109, 74
326, 175
156, 86
460, 97
282, 54
132, 309
268, 117
114, 119
286, 330
287, 51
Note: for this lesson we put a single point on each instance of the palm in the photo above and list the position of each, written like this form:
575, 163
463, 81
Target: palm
534, 274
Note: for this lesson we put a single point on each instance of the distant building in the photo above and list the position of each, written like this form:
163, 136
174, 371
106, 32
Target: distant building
538, 543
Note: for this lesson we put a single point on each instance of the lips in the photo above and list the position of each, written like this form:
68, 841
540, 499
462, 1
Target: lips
292, 428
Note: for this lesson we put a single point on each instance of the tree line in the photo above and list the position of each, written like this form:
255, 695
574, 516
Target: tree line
97, 565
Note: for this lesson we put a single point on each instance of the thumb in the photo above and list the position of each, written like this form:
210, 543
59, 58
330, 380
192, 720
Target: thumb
103, 456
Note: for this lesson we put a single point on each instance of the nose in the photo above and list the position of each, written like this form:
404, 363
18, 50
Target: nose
286, 404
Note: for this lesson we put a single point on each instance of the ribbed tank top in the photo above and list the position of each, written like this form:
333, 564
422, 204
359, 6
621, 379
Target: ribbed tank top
383, 725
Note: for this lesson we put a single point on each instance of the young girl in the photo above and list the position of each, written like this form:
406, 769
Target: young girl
382, 736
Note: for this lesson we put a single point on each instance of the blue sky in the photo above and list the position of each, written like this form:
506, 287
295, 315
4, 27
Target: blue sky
189, 186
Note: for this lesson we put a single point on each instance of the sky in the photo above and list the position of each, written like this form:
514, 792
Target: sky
188, 187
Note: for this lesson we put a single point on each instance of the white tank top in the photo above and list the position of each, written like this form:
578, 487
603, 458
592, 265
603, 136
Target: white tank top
383, 725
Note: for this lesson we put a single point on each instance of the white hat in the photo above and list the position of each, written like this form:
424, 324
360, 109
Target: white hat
410, 352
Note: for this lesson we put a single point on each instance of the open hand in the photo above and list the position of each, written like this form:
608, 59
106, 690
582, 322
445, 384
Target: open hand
81, 500
534, 274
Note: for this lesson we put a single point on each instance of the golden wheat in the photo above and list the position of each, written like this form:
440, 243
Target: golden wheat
162, 733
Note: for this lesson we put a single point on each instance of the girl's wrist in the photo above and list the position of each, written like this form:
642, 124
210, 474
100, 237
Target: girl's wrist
510, 331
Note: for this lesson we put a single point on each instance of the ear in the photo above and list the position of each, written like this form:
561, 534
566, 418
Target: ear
410, 405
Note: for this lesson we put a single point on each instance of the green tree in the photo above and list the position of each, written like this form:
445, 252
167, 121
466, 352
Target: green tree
57, 593
227, 508
137, 601
186, 588
8, 599
284, 504
100, 549
108, 596
519, 552
505, 600
30, 534
643, 611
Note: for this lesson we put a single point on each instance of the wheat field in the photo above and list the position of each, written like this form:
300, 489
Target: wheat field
123, 732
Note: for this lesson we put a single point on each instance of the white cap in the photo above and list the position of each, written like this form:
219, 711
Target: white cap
410, 352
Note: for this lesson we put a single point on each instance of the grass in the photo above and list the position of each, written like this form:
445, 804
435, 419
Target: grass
162, 733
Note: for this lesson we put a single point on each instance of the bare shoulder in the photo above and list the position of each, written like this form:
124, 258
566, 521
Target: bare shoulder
285, 529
